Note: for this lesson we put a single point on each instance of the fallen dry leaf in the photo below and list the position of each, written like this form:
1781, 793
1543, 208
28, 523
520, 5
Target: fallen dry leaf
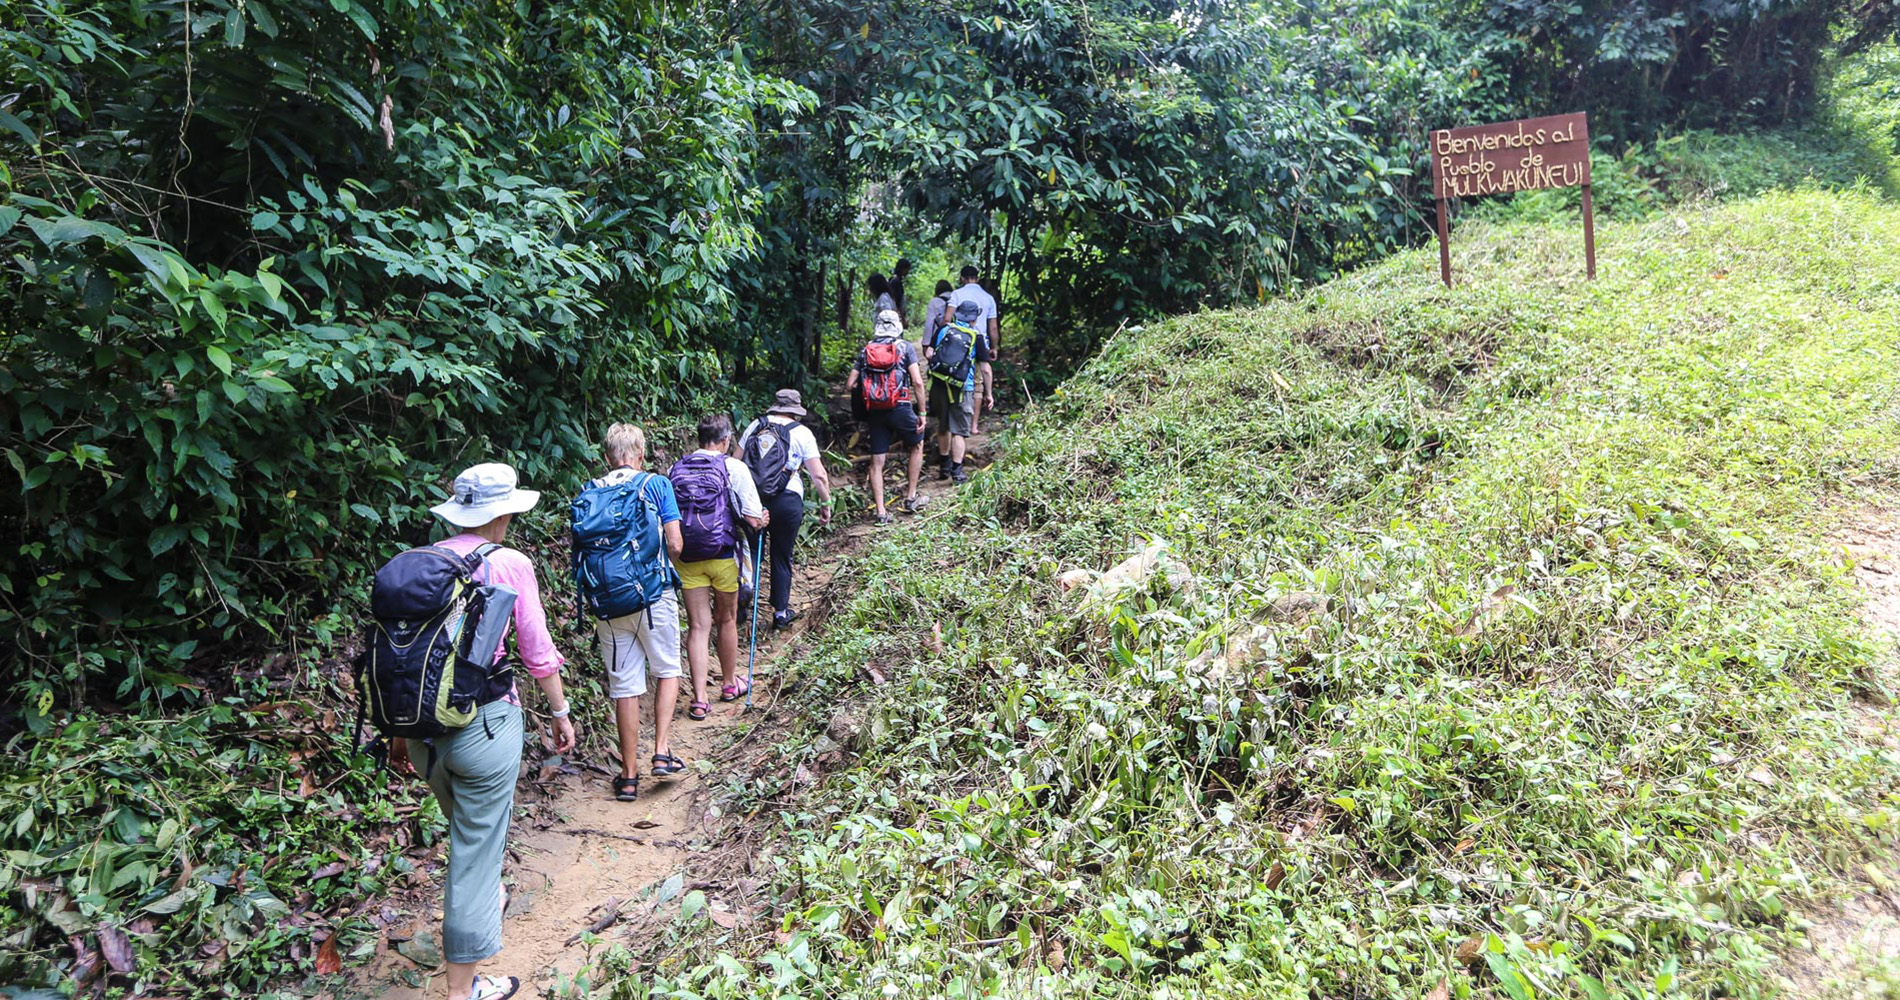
1442, 991
329, 963
1464, 845
1055, 956
1761, 776
117, 949
1469, 949
1275, 876
725, 918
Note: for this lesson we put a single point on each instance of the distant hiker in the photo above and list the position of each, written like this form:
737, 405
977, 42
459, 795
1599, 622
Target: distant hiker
951, 360
888, 376
900, 282
971, 291
715, 493
472, 769
775, 449
936, 314
626, 536
881, 299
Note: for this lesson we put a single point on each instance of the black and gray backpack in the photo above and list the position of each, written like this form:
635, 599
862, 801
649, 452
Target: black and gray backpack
768, 455
429, 662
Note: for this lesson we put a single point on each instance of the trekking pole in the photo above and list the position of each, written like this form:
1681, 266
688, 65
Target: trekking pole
752, 647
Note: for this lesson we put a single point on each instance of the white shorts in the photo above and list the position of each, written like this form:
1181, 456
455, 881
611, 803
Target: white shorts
632, 649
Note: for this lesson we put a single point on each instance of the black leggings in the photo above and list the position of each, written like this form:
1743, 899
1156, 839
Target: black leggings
781, 537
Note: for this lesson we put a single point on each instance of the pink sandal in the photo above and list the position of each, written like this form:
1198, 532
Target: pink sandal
698, 711
735, 691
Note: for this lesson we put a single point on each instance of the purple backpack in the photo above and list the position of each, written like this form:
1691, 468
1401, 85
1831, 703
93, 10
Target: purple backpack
700, 483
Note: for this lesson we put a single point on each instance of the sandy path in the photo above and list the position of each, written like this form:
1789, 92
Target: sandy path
1854, 949
579, 851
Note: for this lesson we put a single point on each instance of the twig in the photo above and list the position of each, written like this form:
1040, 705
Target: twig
588, 831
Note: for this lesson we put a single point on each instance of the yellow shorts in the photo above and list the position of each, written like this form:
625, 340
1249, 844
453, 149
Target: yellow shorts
719, 574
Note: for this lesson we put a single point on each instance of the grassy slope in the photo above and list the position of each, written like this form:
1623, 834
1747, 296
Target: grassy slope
1627, 769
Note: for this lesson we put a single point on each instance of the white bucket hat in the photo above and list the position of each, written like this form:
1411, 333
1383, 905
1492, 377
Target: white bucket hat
888, 324
482, 493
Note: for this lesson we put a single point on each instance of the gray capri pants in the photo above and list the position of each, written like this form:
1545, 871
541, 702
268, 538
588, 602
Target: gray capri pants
473, 778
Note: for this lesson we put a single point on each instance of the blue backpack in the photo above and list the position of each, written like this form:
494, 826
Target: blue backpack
620, 563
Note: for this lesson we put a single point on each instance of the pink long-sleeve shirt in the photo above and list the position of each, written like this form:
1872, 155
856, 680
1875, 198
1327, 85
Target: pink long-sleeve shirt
512, 569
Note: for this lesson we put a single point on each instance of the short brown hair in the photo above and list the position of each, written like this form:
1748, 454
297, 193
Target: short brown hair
623, 441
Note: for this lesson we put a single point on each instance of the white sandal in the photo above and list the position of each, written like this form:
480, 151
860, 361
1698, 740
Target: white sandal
491, 988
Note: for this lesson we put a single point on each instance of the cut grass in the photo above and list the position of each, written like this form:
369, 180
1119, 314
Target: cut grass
1567, 710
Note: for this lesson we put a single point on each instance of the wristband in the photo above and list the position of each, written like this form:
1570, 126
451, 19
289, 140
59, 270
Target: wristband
562, 714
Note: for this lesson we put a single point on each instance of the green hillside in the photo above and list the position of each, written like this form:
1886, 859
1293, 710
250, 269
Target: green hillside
1512, 627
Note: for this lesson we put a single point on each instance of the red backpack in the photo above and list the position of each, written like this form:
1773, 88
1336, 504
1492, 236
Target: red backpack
885, 382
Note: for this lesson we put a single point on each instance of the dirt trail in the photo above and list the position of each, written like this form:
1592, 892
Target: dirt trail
578, 852
1855, 948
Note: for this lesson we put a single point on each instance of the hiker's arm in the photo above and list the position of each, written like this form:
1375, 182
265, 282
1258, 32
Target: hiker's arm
674, 543
541, 658
851, 381
820, 481
996, 345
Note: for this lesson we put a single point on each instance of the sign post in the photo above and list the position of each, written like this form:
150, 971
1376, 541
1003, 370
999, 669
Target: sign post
1524, 155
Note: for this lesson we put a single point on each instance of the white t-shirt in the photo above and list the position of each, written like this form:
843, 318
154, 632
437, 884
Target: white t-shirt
973, 292
804, 449
740, 488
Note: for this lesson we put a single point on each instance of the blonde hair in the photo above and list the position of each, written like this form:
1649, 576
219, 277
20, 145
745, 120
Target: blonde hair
624, 441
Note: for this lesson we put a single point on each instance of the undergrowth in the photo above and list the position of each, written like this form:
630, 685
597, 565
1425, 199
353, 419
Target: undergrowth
1512, 661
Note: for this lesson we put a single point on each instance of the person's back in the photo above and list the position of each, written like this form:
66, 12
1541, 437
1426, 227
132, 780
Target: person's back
886, 377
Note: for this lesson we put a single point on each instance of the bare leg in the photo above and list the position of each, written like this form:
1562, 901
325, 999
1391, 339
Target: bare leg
985, 395
726, 618
958, 444
916, 467
461, 980
877, 483
627, 720
699, 623
666, 697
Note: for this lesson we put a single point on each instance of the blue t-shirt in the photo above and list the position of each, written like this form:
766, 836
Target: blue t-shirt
979, 346
658, 490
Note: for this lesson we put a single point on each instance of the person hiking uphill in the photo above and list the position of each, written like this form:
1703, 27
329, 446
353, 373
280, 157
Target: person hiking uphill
715, 493
776, 448
472, 769
972, 291
951, 361
881, 298
626, 536
885, 376
936, 314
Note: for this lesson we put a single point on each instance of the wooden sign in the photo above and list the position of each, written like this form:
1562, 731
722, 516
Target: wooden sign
1523, 155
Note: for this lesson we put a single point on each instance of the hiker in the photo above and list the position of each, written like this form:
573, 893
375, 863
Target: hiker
880, 289
884, 376
626, 535
972, 291
715, 492
776, 448
936, 314
472, 770
951, 360
900, 283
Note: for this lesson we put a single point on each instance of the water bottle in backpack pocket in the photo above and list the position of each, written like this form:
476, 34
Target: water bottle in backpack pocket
619, 551
429, 662
701, 483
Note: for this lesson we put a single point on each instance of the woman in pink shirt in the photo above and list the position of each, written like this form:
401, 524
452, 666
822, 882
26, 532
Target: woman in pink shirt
472, 771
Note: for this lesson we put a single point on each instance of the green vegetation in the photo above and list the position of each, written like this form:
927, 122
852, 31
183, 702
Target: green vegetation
1511, 622
270, 270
